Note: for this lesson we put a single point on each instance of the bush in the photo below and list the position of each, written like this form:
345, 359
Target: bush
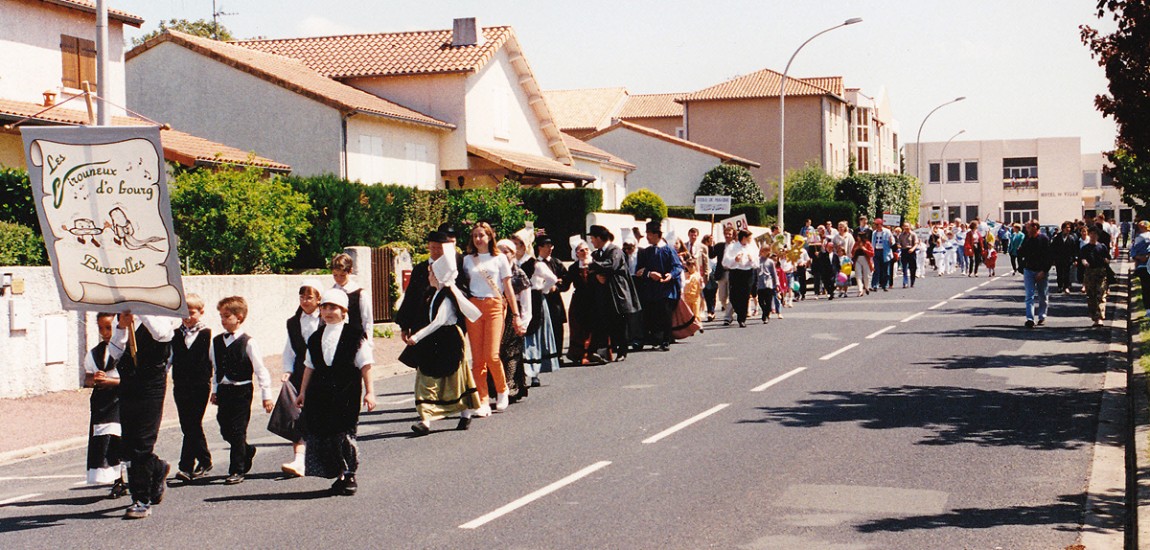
426, 212
811, 183
798, 212
501, 207
733, 181
561, 212
21, 245
16, 202
643, 204
858, 189
233, 221
762, 215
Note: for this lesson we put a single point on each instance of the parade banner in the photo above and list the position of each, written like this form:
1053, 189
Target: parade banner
738, 223
102, 200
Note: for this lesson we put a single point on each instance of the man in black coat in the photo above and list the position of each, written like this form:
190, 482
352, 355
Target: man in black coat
410, 316
1064, 248
619, 299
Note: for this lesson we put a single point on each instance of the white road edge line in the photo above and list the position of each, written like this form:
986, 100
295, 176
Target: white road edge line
879, 332
27, 478
778, 379
983, 284
938, 305
843, 349
12, 500
973, 288
913, 317
686, 423
536, 495
956, 296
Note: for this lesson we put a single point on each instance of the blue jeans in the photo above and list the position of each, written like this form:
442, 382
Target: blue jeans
881, 272
1036, 291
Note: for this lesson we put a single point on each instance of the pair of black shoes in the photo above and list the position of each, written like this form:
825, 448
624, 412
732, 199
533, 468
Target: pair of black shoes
238, 477
345, 486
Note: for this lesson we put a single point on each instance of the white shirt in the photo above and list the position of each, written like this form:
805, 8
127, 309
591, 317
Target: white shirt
259, 372
307, 325
486, 271
162, 329
90, 364
366, 316
330, 340
444, 317
738, 256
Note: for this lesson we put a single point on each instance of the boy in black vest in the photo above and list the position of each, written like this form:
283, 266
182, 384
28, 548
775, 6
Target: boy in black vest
236, 361
141, 346
191, 386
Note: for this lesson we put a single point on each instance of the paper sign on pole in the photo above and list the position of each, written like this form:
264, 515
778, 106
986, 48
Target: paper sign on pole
714, 204
737, 222
892, 220
102, 200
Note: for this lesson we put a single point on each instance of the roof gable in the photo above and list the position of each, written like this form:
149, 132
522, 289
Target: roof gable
386, 54
580, 148
765, 83
585, 109
653, 133
295, 76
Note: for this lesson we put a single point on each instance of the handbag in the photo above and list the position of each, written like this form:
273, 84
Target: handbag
284, 420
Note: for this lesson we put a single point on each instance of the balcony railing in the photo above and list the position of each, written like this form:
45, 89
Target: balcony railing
1020, 183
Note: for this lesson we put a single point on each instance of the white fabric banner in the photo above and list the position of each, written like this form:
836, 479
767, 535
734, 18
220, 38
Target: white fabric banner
102, 198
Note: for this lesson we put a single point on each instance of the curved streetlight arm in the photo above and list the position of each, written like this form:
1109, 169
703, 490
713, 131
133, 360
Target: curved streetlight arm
918, 138
942, 179
782, 120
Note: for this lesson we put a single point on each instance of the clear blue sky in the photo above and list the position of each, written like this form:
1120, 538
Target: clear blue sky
1019, 62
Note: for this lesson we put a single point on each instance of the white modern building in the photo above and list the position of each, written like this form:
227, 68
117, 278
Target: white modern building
1001, 180
1099, 195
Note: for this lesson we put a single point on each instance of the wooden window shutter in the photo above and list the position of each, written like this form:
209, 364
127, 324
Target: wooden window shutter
70, 61
87, 61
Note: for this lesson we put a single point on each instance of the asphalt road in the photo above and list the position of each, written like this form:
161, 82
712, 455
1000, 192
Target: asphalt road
944, 425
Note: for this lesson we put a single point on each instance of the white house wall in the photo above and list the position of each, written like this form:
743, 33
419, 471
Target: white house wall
608, 179
31, 61
439, 96
206, 98
390, 152
498, 112
671, 171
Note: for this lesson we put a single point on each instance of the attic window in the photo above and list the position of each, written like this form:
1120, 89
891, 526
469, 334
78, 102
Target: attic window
78, 61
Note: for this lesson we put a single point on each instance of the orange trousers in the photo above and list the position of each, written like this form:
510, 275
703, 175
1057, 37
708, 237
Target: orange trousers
485, 335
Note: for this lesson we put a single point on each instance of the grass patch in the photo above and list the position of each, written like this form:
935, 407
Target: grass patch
1138, 311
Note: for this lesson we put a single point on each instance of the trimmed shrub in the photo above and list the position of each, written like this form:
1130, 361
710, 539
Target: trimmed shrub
798, 212
426, 212
733, 181
643, 204
561, 212
501, 207
811, 183
16, 202
235, 221
858, 189
21, 245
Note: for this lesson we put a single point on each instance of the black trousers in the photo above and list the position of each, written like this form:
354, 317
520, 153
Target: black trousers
1144, 278
141, 409
191, 402
1063, 268
801, 276
740, 292
234, 413
909, 265
657, 320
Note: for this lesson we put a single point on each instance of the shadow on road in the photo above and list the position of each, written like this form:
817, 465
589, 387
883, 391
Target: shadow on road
37, 521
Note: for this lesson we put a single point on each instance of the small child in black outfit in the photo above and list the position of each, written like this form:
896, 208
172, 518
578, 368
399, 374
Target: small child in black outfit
237, 363
104, 432
191, 387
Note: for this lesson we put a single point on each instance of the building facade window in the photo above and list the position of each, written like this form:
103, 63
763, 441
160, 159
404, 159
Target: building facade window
1089, 178
1020, 173
1019, 211
78, 61
935, 172
971, 170
863, 159
1107, 180
953, 172
971, 211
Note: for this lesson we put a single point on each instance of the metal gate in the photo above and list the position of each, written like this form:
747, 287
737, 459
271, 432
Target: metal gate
382, 274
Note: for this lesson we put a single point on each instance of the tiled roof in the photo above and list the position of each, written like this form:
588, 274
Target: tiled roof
651, 132
528, 164
651, 106
765, 83
90, 7
178, 146
585, 109
292, 75
386, 54
580, 148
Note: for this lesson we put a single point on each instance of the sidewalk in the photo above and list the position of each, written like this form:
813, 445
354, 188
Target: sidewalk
34, 426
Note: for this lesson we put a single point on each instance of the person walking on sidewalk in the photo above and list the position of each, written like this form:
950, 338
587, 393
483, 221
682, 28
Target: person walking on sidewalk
1140, 255
1094, 260
1036, 261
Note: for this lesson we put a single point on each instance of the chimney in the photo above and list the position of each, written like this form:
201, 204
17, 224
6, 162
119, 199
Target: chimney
49, 98
465, 32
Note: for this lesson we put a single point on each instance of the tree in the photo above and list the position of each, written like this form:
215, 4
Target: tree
733, 181
1126, 59
199, 27
811, 183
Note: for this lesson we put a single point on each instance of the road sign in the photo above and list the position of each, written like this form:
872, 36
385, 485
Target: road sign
715, 204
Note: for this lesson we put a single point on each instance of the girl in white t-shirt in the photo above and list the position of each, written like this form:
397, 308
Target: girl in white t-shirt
490, 285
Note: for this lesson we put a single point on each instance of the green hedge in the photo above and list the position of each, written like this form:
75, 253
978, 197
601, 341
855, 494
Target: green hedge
346, 213
644, 204
762, 215
798, 212
561, 213
21, 245
16, 204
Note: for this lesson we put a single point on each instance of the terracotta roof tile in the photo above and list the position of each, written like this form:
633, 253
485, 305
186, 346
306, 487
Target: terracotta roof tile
88, 6
178, 146
651, 106
292, 75
765, 83
386, 54
528, 164
586, 109
651, 132
833, 84
580, 148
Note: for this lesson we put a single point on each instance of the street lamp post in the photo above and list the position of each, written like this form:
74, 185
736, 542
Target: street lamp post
918, 140
942, 178
782, 99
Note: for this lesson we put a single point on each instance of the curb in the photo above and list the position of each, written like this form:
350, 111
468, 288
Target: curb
389, 370
1138, 484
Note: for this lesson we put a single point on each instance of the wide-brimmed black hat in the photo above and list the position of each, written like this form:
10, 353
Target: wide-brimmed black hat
448, 230
438, 237
542, 240
655, 227
600, 232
